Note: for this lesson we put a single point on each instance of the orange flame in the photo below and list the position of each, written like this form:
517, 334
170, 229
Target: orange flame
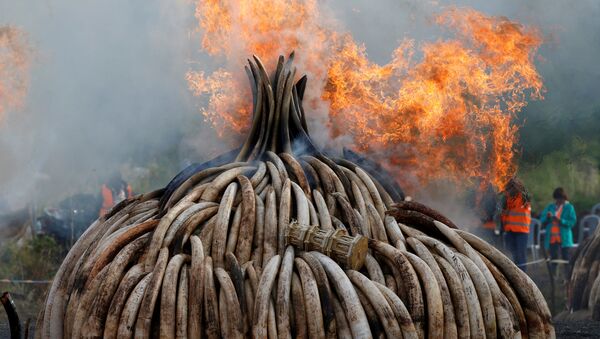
449, 115
234, 31
14, 63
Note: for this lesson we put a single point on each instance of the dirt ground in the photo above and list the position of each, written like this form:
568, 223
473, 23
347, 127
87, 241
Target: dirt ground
577, 329
564, 329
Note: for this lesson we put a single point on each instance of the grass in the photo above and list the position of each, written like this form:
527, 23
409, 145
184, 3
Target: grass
576, 168
36, 259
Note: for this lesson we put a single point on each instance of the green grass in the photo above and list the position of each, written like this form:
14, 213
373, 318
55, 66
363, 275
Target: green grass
36, 259
575, 168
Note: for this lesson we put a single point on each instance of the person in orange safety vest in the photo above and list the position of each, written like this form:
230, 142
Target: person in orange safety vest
113, 192
514, 219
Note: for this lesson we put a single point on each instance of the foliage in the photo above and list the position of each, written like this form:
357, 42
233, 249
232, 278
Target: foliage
36, 259
576, 167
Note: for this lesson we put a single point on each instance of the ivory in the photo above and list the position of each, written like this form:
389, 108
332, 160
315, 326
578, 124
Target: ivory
214, 247
196, 288
127, 284
311, 299
248, 222
263, 297
284, 284
380, 304
144, 317
295, 167
130, 312
181, 315
222, 225
357, 319
270, 228
168, 296
223, 180
234, 312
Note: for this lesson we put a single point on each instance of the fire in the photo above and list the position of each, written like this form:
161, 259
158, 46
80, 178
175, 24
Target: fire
235, 30
450, 114
14, 64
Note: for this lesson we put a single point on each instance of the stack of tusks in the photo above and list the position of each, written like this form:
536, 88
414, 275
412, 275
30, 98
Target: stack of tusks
584, 285
207, 256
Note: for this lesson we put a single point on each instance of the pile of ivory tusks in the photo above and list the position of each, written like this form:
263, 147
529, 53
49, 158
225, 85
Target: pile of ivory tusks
132, 273
207, 256
584, 285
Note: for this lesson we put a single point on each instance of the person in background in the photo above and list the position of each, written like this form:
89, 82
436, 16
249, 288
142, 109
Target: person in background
513, 216
113, 192
488, 202
558, 218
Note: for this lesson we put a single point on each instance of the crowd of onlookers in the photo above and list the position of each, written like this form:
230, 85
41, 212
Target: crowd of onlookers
554, 226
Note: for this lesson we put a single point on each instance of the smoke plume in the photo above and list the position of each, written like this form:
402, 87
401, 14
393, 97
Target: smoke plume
107, 93
108, 88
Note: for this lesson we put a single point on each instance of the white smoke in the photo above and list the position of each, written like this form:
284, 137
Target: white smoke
108, 87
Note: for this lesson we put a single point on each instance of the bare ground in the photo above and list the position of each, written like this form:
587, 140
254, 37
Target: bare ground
577, 329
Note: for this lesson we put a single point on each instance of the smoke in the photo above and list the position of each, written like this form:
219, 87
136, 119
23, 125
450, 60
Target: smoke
14, 66
449, 102
107, 93
108, 88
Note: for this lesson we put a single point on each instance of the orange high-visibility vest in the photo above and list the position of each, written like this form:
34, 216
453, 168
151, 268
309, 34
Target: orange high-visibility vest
555, 229
107, 198
516, 217
490, 225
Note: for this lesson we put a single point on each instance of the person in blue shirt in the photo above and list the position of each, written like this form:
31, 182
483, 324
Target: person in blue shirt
558, 218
